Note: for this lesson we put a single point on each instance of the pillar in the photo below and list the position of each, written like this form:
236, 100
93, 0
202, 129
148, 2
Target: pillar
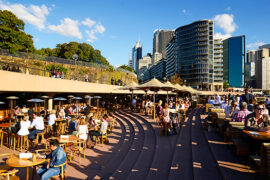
50, 103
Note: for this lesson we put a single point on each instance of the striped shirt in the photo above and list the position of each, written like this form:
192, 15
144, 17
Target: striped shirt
240, 116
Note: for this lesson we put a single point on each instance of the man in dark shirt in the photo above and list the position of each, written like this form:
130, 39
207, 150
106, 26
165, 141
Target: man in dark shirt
247, 97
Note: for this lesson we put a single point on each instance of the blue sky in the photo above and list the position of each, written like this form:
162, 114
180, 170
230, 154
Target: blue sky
114, 26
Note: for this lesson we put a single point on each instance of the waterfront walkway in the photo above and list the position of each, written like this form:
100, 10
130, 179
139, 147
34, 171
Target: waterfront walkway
138, 151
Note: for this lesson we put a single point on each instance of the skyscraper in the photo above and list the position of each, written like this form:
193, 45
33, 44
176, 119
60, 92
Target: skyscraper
171, 64
194, 46
234, 60
136, 56
161, 39
262, 67
218, 64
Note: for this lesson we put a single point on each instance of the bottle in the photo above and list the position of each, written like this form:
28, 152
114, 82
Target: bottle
34, 158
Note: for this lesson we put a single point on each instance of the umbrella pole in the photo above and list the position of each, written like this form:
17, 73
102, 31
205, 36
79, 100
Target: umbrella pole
131, 98
167, 96
154, 106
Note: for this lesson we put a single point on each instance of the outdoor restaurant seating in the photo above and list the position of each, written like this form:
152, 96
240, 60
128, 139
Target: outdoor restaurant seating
23, 142
38, 137
78, 147
10, 175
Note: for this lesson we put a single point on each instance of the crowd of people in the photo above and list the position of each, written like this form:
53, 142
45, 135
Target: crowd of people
7, 67
245, 108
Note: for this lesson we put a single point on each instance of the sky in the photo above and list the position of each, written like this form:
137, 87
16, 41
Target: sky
114, 26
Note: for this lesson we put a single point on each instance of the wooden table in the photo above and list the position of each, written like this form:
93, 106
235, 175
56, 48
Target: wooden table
5, 125
15, 161
71, 139
263, 136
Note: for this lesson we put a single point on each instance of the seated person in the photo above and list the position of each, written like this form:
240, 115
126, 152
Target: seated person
38, 124
230, 110
82, 129
103, 130
224, 104
73, 126
241, 115
148, 105
257, 121
57, 157
52, 118
24, 126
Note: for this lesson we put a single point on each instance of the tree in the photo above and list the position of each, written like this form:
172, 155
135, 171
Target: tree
12, 35
226, 85
66, 50
126, 67
176, 79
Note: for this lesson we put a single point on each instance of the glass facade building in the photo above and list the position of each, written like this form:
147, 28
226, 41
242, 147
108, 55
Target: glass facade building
194, 46
136, 56
234, 61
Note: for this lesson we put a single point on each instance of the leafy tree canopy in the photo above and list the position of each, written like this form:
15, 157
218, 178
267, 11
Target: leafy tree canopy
226, 85
176, 79
12, 35
84, 51
127, 68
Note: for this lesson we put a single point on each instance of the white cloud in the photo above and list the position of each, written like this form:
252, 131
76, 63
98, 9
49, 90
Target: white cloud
98, 29
91, 36
113, 37
34, 15
68, 27
222, 36
225, 22
255, 45
184, 11
88, 22
228, 8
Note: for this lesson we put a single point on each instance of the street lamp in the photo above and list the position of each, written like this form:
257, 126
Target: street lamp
75, 58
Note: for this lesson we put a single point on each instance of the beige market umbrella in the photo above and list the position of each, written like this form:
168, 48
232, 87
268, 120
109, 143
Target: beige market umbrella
131, 87
153, 85
169, 87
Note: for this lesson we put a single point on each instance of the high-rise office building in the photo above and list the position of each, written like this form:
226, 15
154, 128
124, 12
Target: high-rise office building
262, 68
144, 64
234, 61
160, 41
156, 58
218, 64
194, 53
250, 69
171, 64
136, 56
251, 56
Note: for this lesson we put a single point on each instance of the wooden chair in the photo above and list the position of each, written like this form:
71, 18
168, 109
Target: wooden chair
42, 138
4, 167
261, 163
78, 147
2, 134
62, 174
101, 138
10, 175
23, 142
12, 140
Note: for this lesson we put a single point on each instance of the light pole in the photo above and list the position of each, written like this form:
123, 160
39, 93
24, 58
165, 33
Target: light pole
75, 58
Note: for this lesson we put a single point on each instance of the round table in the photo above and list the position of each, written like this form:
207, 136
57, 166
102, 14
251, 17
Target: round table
15, 161
5, 125
70, 139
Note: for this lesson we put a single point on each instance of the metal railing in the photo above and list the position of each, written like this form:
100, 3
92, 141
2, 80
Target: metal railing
25, 55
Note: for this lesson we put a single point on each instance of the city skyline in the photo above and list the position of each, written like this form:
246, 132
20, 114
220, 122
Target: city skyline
114, 27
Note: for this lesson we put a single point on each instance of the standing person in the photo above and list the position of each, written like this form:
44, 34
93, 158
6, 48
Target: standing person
62, 75
58, 73
57, 157
86, 78
38, 124
224, 104
159, 111
247, 97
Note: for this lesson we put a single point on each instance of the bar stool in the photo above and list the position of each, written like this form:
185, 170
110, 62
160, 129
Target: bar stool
12, 140
42, 138
23, 142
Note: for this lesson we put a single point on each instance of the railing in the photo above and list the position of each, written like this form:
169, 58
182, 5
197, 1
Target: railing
108, 78
24, 55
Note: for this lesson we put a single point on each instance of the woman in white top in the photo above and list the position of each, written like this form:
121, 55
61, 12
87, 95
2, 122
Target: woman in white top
52, 118
82, 129
24, 126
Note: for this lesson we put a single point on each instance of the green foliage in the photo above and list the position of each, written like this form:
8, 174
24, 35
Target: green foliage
176, 79
38, 64
226, 85
126, 67
84, 51
60, 67
12, 35
110, 68
83, 71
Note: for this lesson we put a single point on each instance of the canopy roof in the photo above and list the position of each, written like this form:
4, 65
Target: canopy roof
154, 84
